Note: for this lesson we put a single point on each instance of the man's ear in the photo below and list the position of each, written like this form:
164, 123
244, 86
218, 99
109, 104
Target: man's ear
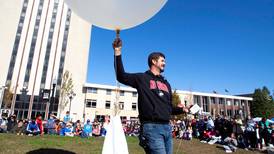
154, 61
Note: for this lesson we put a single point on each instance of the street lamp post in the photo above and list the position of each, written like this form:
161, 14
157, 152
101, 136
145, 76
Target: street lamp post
46, 99
24, 92
52, 99
71, 95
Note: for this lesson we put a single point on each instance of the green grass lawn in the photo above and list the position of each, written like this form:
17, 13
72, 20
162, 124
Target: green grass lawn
12, 144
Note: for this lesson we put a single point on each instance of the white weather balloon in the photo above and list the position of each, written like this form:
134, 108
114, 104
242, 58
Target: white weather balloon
116, 14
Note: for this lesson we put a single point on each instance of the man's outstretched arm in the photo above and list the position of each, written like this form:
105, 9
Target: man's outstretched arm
122, 76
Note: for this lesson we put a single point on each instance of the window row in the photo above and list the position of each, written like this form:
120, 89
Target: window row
93, 104
109, 91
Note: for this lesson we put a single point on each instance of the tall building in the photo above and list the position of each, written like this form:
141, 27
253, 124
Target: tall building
39, 41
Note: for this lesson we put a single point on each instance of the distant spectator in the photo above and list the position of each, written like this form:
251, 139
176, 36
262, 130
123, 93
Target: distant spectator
61, 128
58, 126
32, 128
68, 130
3, 124
258, 143
227, 128
74, 125
210, 123
249, 133
96, 128
237, 126
67, 117
39, 122
264, 129
51, 126
272, 134
230, 143
103, 131
11, 123
188, 133
78, 130
88, 128
20, 128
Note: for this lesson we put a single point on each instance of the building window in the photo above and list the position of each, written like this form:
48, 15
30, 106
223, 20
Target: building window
229, 113
205, 103
236, 103
134, 94
121, 105
107, 105
88, 104
93, 103
108, 92
228, 102
221, 101
236, 112
92, 90
197, 100
134, 106
122, 93
242, 103
212, 100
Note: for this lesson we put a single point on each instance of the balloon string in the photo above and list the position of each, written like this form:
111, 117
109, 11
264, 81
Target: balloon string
179, 146
117, 90
117, 33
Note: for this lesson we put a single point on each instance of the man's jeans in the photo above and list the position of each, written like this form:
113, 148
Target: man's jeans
156, 138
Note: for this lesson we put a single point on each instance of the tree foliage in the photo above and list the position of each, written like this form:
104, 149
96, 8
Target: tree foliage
263, 103
7, 98
66, 87
175, 101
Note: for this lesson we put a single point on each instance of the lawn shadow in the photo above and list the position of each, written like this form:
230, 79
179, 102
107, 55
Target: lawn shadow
50, 150
221, 147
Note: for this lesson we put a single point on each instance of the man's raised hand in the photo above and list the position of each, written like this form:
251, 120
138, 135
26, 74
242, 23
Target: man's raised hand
185, 109
117, 45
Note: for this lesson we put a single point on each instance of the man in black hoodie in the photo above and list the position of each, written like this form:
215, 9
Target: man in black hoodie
154, 101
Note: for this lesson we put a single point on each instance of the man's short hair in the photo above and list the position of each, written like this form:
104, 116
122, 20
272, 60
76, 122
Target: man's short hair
154, 56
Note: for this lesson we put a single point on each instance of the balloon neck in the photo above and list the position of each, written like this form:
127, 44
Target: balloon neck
117, 33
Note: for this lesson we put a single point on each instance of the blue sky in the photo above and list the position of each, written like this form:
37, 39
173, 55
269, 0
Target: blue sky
209, 45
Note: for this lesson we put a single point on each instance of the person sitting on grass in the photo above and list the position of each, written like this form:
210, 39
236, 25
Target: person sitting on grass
39, 122
88, 128
103, 131
67, 117
3, 124
78, 130
12, 122
96, 128
230, 143
32, 128
58, 126
20, 128
51, 125
68, 130
188, 133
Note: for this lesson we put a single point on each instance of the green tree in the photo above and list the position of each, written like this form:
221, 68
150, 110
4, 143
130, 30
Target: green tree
7, 98
175, 101
66, 87
263, 104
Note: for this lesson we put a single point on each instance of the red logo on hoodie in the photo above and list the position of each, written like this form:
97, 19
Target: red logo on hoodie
160, 85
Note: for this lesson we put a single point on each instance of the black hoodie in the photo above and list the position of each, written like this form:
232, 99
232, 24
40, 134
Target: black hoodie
154, 94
